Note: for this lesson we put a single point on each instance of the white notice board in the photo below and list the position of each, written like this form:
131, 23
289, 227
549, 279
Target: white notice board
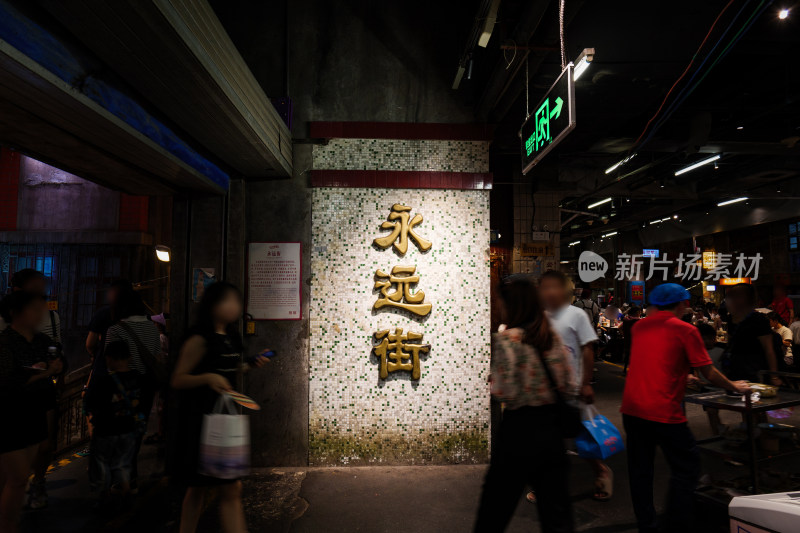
274, 273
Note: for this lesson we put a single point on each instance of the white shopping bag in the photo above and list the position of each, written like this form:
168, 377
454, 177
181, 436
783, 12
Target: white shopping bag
225, 442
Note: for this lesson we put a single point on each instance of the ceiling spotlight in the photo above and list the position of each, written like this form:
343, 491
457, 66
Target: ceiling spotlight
739, 127
564, 262
783, 14
699, 164
601, 202
582, 63
674, 216
661, 184
162, 253
716, 165
735, 200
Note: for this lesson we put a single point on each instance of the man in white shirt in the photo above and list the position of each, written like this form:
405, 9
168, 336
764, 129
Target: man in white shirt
794, 327
787, 337
579, 336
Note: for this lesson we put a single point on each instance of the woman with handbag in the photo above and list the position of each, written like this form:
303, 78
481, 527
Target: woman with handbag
208, 366
529, 373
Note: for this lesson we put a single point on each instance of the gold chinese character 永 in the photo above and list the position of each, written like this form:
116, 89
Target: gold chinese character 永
399, 352
402, 228
402, 277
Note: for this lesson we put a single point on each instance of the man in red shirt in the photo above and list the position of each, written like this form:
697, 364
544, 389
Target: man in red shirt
663, 351
782, 304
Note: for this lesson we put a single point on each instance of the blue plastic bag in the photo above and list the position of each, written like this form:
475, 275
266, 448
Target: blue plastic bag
599, 438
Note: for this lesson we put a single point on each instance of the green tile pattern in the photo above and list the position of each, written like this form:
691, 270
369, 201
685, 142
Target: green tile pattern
406, 155
355, 417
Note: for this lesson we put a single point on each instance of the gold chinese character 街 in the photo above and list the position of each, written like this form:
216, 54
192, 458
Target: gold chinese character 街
399, 352
403, 277
402, 229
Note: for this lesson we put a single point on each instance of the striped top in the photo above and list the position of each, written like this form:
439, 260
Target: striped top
145, 330
46, 326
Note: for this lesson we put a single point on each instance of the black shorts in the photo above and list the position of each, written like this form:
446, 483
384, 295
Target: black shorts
22, 429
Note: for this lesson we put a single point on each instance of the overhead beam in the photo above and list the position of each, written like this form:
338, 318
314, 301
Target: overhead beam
58, 111
179, 57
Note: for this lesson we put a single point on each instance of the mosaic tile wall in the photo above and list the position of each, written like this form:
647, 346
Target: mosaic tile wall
355, 417
389, 154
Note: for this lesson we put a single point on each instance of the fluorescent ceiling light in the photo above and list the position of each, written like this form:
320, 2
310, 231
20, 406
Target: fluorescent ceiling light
459, 75
735, 200
582, 63
488, 24
655, 221
783, 14
609, 234
574, 243
618, 164
601, 202
699, 164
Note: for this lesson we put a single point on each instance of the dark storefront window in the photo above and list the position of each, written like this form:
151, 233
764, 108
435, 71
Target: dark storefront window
77, 275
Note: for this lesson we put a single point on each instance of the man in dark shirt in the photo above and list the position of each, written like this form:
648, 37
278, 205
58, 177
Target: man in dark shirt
750, 348
102, 319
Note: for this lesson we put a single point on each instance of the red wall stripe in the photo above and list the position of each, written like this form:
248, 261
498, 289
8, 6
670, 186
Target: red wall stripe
9, 188
401, 130
398, 179
133, 212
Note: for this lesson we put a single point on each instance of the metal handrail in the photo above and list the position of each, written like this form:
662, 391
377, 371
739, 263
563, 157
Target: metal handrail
72, 429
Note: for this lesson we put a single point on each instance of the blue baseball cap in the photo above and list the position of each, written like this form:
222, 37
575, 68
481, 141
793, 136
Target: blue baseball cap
668, 294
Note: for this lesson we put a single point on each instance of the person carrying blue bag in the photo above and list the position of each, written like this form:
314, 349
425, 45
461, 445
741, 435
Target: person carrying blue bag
600, 439
579, 337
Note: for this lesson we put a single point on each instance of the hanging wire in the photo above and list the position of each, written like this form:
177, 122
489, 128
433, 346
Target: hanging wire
527, 94
561, 34
683, 74
689, 88
513, 56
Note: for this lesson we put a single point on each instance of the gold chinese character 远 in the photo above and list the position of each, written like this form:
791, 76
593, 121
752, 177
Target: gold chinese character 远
399, 352
403, 277
402, 229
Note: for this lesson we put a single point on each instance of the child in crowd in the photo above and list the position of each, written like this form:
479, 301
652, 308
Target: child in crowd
114, 406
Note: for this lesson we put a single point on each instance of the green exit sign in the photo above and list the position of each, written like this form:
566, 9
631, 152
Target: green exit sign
552, 120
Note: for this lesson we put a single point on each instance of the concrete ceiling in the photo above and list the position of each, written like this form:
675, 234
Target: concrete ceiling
747, 108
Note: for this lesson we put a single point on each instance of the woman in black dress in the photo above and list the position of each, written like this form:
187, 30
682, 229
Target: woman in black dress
209, 365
